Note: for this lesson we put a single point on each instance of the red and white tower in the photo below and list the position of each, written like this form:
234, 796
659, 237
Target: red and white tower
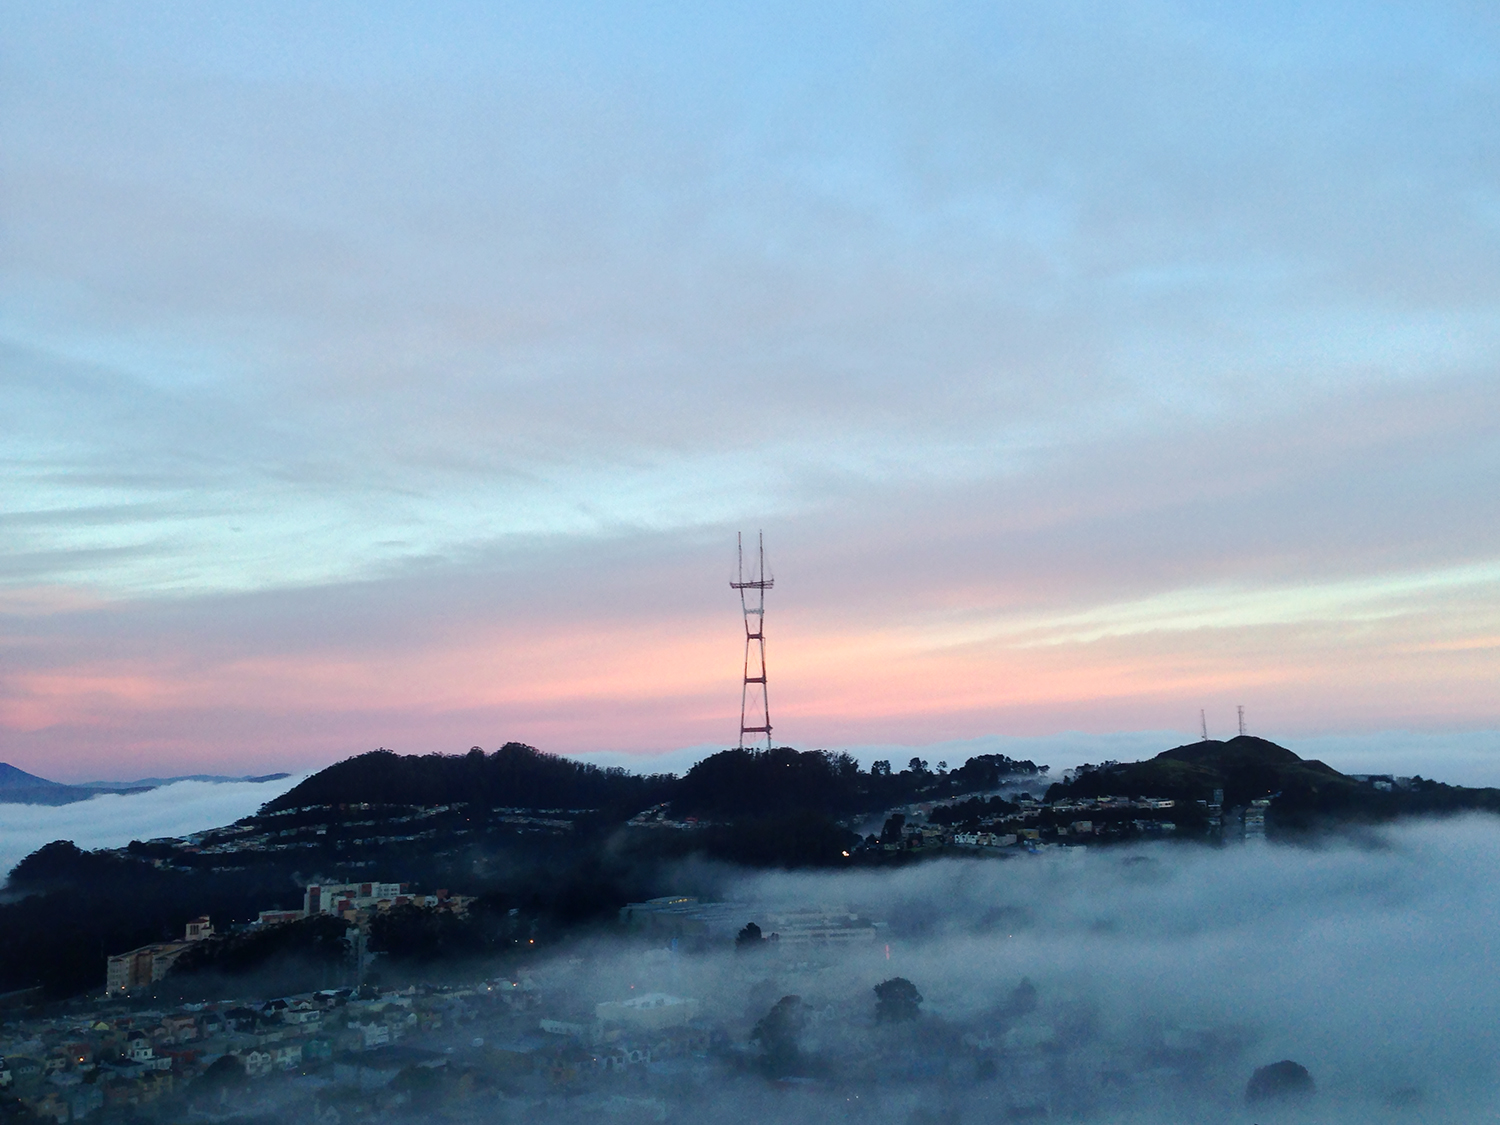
755, 706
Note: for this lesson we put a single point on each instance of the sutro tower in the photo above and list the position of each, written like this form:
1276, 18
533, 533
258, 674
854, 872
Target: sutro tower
754, 704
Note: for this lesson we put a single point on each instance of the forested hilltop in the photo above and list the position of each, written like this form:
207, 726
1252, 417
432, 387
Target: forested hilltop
514, 776
1304, 793
725, 786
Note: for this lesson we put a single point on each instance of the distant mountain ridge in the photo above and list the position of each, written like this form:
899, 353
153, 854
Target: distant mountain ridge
13, 778
17, 787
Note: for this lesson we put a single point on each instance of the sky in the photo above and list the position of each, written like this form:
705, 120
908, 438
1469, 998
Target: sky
401, 375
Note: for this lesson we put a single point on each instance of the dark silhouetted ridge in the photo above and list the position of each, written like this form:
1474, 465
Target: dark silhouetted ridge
19, 787
516, 775
729, 785
1245, 768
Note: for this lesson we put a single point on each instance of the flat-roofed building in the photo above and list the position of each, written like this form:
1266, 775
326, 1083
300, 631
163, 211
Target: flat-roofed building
651, 1012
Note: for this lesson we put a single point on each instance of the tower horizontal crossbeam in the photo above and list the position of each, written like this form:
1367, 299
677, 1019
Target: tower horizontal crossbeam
755, 707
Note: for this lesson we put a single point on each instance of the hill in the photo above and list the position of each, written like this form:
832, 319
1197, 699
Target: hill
514, 776
729, 785
1247, 768
17, 787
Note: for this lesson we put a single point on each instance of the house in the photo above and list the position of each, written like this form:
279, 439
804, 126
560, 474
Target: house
257, 1062
180, 1029
302, 1013
140, 1051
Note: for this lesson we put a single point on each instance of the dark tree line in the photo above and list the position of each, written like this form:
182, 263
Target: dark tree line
727, 785
740, 783
515, 775
80, 907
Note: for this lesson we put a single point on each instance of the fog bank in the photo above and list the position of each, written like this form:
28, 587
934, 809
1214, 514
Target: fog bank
1163, 977
113, 820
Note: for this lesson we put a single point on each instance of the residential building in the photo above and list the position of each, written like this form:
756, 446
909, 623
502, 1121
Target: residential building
336, 898
143, 967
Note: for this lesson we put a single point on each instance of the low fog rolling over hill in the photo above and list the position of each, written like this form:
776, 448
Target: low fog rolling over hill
113, 820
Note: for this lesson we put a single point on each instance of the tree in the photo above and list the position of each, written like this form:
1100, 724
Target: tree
1022, 999
891, 832
897, 1001
749, 937
224, 1076
1281, 1081
778, 1033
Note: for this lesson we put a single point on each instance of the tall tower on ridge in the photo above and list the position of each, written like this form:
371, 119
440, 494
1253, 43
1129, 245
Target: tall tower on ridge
755, 705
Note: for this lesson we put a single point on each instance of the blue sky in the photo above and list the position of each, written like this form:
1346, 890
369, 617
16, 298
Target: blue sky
381, 374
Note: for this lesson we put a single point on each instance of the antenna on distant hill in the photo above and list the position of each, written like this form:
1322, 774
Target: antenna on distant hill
1203, 722
754, 703
1242, 720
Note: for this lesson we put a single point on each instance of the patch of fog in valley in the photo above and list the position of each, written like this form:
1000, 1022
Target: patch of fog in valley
1143, 985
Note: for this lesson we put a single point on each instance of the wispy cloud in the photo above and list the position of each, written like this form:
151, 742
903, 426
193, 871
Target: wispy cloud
1093, 325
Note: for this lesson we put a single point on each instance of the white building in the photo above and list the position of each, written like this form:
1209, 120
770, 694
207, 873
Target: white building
651, 1012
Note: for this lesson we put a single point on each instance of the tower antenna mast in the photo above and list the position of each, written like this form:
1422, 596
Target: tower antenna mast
1203, 723
1242, 720
755, 706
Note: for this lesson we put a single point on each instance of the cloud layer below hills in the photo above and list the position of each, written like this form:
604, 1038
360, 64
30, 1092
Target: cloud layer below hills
113, 820
1164, 976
